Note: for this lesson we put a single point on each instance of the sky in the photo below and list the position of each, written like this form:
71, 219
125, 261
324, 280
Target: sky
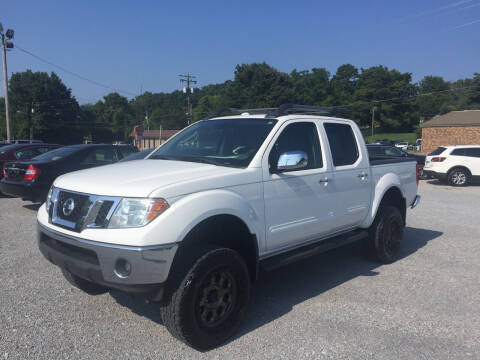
135, 46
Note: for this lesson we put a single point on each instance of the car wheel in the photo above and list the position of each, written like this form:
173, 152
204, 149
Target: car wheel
206, 307
385, 235
84, 285
458, 177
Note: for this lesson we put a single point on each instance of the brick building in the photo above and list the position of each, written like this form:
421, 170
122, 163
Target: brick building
152, 138
453, 128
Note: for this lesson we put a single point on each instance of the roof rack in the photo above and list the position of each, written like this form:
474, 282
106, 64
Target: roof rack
283, 109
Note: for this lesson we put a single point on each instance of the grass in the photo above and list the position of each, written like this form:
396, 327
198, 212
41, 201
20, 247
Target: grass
409, 137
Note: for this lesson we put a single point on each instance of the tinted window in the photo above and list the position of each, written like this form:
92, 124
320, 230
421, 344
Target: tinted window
125, 151
437, 151
26, 154
57, 154
459, 152
473, 152
7, 148
392, 151
302, 136
101, 156
343, 145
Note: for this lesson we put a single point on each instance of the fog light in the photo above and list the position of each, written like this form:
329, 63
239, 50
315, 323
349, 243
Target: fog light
122, 268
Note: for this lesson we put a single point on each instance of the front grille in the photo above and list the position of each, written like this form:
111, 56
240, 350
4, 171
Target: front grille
79, 202
101, 217
77, 211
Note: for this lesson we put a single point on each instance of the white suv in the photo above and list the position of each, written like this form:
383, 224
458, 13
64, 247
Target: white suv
459, 165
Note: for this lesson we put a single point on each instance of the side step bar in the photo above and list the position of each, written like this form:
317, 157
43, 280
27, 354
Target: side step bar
304, 252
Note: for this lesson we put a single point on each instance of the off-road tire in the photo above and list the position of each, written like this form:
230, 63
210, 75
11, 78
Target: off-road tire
385, 235
182, 311
84, 285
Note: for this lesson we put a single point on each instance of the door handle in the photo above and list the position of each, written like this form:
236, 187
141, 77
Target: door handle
362, 175
324, 181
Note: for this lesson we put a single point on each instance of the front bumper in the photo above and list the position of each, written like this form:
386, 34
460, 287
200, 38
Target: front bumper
98, 262
26, 190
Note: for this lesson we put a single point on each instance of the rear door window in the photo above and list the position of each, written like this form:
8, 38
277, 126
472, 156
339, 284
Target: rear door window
343, 144
459, 152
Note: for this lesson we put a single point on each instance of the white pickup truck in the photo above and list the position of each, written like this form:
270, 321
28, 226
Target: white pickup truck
192, 225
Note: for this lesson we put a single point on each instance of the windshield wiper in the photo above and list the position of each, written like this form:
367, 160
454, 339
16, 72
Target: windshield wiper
198, 159
162, 157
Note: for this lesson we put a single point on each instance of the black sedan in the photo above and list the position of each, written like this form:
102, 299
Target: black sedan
32, 179
385, 151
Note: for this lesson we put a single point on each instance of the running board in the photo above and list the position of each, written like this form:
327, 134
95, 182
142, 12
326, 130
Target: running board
304, 252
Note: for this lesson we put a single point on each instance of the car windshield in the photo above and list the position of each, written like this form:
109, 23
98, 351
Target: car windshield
229, 142
56, 154
437, 151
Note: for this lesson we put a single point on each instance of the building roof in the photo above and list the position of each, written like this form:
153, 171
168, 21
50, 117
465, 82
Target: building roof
154, 134
455, 118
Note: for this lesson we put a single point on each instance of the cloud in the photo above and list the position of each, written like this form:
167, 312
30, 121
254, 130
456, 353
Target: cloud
466, 24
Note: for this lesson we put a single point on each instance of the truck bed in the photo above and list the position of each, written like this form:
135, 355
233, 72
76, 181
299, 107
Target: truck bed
388, 160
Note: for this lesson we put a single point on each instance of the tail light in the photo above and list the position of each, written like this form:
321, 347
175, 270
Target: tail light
438, 159
4, 171
418, 174
32, 173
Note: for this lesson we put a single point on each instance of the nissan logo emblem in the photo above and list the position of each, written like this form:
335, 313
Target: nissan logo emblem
68, 206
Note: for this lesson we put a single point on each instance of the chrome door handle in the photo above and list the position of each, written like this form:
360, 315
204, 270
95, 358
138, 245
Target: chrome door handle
324, 181
362, 176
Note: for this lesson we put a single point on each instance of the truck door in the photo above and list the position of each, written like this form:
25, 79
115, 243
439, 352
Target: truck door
297, 200
351, 184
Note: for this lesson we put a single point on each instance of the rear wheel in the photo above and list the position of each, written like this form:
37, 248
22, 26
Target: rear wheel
84, 285
385, 235
458, 177
206, 307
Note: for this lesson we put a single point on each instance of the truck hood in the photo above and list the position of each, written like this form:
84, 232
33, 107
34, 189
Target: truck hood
141, 178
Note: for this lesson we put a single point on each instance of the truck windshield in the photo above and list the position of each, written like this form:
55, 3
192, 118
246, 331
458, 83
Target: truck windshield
229, 142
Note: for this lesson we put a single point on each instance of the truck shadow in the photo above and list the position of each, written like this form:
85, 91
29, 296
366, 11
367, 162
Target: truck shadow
277, 292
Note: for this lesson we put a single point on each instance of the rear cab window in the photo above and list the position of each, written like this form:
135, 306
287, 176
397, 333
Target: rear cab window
343, 145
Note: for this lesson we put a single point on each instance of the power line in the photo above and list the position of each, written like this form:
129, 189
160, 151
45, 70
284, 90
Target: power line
73, 73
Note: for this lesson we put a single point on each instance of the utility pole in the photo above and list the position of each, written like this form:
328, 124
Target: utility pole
6, 45
373, 120
188, 90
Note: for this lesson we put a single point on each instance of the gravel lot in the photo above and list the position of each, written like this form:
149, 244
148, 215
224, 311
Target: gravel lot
336, 305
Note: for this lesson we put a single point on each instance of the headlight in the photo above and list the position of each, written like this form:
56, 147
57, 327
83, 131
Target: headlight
49, 200
136, 212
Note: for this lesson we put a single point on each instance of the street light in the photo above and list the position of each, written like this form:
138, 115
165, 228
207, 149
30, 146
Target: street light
6, 45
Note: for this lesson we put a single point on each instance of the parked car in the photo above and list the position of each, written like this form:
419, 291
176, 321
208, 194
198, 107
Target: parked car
138, 155
459, 165
31, 179
191, 226
22, 152
20, 141
382, 151
402, 145
382, 142
418, 145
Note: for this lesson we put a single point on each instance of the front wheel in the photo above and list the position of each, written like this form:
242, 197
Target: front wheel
385, 235
206, 307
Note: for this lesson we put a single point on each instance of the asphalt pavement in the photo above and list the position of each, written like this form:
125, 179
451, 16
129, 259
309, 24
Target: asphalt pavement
337, 305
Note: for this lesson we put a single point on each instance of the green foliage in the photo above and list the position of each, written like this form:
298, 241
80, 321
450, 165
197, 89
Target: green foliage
399, 104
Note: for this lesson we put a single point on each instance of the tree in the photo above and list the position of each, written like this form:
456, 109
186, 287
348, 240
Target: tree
42, 102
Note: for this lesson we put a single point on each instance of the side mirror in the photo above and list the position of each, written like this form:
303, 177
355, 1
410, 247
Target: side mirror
292, 160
